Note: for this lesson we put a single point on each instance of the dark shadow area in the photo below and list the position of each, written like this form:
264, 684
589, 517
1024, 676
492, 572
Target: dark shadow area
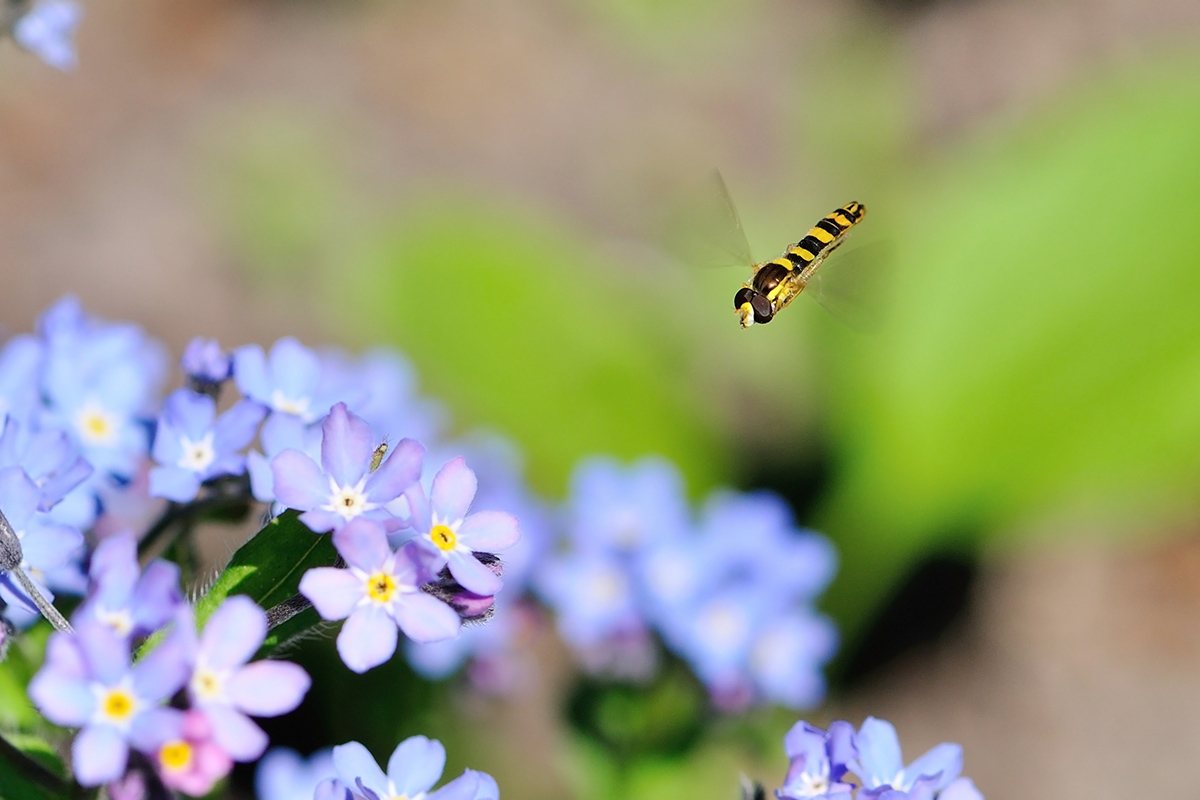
928, 603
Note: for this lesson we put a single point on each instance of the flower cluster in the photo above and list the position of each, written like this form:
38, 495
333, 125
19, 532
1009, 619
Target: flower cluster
89, 681
89, 452
840, 761
730, 591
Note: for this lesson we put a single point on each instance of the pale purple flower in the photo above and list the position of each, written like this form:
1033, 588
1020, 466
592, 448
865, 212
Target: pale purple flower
87, 682
50, 458
880, 763
46, 32
20, 365
414, 767
283, 775
960, 789
45, 545
205, 363
449, 536
228, 689
280, 432
121, 596
193, 444
288, 381
379, 590
343, 487
818, 761
101, 382
626, 508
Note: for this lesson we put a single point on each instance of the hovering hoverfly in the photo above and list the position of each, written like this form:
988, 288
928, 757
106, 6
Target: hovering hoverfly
776, 283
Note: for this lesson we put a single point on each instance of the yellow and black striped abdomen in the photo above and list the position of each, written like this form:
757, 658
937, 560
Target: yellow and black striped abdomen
825, 235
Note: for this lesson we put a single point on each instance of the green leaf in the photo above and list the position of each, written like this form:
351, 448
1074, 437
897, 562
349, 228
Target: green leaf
268, 569
30, 770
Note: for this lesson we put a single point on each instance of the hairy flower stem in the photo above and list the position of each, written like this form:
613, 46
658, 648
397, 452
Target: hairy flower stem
10, 562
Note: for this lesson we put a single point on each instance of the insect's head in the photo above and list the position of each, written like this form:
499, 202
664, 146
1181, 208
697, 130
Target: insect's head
753, 307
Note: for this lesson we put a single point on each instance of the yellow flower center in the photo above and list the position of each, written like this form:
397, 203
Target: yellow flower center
381, 587
443, 537
175, 756
118, 705
96, 425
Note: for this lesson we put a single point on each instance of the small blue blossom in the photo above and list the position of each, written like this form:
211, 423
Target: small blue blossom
193, 445
288, 381
130, 602
205, 363
45, 545
280, 432
626, 508
379, 590
46, 32
101, 381
879, 762
381, 387
228, 689
592, 596
414, 767
282, 774
450, 537
20, 367
49, 457
818, 761
87, 682
343, 487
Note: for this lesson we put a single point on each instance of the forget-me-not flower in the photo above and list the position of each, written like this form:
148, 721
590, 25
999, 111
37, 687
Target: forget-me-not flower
379, 590
120, 595
46, 31
187, 754
87, 682
288, 381
449, 536
344, 487
414, 767
818, 761
283, 775
625, 509
45, 544
193, 444
879, 762
228, 689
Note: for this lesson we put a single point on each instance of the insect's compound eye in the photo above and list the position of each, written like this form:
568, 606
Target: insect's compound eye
762, 309
742, 297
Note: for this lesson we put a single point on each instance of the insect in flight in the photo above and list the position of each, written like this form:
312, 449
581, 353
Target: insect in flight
776, 283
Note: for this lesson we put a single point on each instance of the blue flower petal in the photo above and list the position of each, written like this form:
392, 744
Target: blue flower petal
99, 755
415, 765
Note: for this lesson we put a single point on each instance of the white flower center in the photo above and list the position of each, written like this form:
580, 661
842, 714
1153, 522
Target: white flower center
119, 619
197, 456
348, 501
289, 405
96, 425
207, 685
607, 589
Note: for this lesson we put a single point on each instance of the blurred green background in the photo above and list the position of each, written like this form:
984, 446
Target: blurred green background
490, 187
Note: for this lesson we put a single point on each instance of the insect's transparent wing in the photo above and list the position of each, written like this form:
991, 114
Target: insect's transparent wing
708, 231
852, 284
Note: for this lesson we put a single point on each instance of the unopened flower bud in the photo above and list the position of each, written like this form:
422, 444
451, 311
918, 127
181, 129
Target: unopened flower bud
206, 365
